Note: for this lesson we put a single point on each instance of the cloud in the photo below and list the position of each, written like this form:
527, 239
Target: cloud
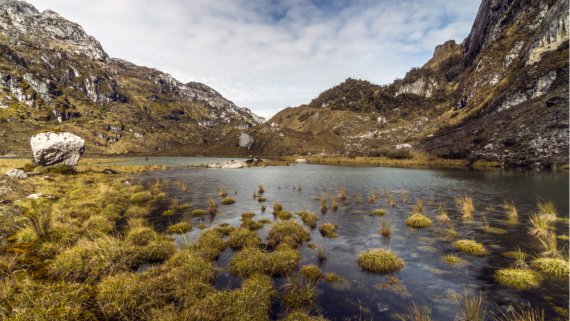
270, 54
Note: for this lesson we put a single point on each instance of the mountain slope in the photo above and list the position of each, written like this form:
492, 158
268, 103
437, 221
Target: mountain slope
501, 95
54, 75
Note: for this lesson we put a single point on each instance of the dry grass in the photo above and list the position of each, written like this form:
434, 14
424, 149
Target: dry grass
465, 204
380, 261
328, 230
518, 279
511, 211
470, 247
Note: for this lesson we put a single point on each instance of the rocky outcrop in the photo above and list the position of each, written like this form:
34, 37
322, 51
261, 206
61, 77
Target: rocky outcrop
246, 141
424, 86
231, 164
57, 148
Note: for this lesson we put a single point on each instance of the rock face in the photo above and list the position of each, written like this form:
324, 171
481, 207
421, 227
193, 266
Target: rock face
246, 141
16, 174
57, 148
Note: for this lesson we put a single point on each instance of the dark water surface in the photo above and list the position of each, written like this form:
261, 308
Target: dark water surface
425, 279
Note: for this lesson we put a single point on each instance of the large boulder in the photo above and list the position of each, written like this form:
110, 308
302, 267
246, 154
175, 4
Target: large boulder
246, 141
57, 148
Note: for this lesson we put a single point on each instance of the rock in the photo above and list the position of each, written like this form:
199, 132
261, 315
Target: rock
246, 141
228, 164
55, 148
301, 160
109, 171
403, 146
16, 174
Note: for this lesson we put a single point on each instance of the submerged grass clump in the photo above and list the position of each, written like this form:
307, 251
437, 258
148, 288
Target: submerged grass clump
519, 279
470, 247
310, 219
418, 220
453, 259
328, 230
555, 267
179, 228
287, 232
380, 261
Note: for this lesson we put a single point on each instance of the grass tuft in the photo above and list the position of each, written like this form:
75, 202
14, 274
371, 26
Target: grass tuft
519, 279
179, 228
470, 247
287, 232
380, 261
310, 219
418, 220
328, 230
555, 267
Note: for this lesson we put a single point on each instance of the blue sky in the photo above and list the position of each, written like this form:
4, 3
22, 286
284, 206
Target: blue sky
270, 54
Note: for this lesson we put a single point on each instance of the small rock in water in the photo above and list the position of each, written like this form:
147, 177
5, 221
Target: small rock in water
16, 174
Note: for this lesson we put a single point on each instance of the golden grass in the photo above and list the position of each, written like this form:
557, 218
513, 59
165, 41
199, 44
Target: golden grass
465, 204
555, 267
470, 247
418, 220
310, 219
328, 230
287, 232
519, 279
380, 261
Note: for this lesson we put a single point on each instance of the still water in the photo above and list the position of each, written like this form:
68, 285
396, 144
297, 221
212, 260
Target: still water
425, 280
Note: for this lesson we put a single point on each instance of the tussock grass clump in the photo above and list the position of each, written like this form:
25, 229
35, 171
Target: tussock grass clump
417, 314
470, 247
179, 228
341, 194
209, 245
324, 207
331, 277
549, 244
90, 260
379, 212
277, 207
419, 206
519, 279
540, 225
311, 273
453, 259
442, 215
328, 230
228, 201
287, 232
519, 314
25, 299
301, 315
212, 206
243, 237
385, 228
260, 189
222, 191
373, 197
380, 261
250, 223
284, 215
511, 211
547, 209
472, 308
199, 212
418, 220
224, 229
252, 260
141, 197
334, 203
310, 219
465, 204
297, 293
555, 267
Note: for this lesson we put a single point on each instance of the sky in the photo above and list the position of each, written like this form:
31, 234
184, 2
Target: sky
270, 54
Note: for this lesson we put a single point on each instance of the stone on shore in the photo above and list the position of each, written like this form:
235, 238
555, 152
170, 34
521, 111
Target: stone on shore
57, 148
16, 174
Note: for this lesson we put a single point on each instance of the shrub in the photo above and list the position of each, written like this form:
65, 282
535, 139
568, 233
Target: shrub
519, 279
288, 232
380, 261
470, 247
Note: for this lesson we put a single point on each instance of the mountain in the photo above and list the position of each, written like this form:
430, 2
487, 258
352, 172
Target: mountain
55, 76
501, 95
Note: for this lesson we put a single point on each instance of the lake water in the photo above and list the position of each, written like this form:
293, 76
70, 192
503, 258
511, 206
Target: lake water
425, 279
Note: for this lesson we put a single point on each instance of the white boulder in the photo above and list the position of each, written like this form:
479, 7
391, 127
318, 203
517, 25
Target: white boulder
246, 141
16, 174
228, 164
54, 148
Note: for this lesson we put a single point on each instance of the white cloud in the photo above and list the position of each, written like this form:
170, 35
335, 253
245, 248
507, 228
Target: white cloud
270, 54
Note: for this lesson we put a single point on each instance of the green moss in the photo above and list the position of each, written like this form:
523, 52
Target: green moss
228, 201
243, 237
418, 220
519, 279
287, 232
380, 261
554, 267
179, 228
310, 219
379, 212
328, 230
470, 247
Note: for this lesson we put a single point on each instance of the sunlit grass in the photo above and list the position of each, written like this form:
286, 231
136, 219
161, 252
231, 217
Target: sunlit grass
380, 261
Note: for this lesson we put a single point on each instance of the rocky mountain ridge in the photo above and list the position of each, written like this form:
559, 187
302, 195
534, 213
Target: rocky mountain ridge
53, 74
501, 95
